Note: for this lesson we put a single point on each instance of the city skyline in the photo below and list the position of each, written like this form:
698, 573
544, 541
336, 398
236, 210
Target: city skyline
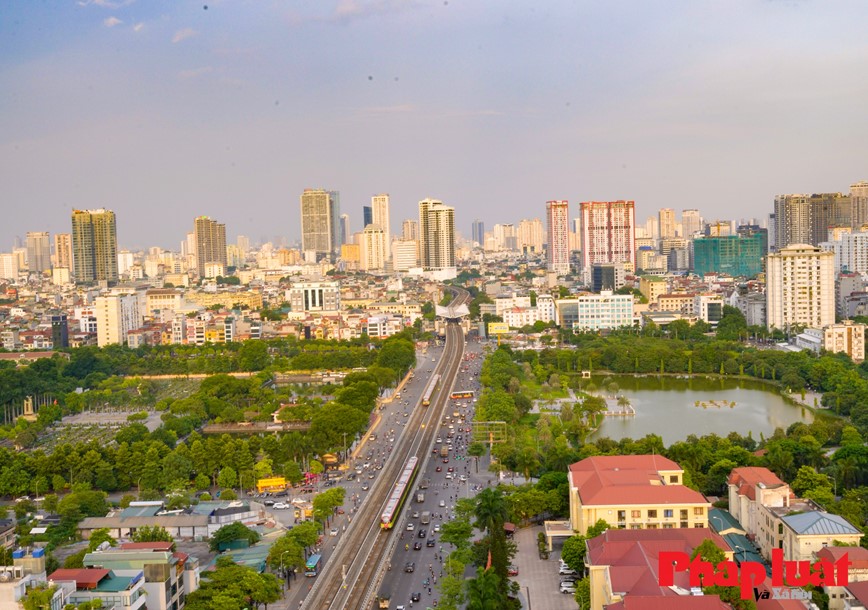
156, 110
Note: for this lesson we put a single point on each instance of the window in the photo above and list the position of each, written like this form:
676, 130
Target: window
684, 513
673, 478
636, 514
622, 515
668, 513
698, 511
652, 514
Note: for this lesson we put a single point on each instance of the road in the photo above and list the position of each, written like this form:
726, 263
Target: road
360, 558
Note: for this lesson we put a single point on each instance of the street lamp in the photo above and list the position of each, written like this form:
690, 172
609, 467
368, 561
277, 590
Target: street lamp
282, 573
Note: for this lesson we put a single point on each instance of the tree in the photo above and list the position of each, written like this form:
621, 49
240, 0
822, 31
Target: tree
227, 478
808, 479
457, 532
154, 533
573, 552
485, 592
231, 532
97, 537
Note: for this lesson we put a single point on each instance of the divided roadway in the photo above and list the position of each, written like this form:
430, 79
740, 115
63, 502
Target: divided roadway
352, 574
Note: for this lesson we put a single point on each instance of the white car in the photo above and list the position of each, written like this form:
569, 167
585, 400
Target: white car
442, 503
437, 527
333, 531
410, 527
567, 588
280, 506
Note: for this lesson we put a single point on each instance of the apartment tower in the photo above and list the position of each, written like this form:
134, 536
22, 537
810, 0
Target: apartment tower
38, 252
800, 287
380, 216
436, 235
558, 246
320, 222
608, 233
210, 237
667, 223
94, 246
63, 251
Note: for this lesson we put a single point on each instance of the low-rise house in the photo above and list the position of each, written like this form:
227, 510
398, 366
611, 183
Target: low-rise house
633, 492
114, 591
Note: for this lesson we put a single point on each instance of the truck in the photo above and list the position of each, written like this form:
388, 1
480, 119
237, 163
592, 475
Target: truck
444, 451
425, 519
420, 496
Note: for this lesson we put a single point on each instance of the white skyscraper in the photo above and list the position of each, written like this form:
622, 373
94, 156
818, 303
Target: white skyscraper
38, 252
116, 314
372, 249
691, 222
320, 220
800, 287
667, 223
859, 204
530, 236
558, 246
608, 232
380, 216
436, 235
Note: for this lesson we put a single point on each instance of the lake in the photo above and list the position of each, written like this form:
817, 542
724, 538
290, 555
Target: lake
667, 406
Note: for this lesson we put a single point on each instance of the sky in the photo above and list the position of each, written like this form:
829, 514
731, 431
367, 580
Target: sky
164, 110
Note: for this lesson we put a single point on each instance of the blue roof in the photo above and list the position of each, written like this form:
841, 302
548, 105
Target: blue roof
722, 521
818, 522
140, 511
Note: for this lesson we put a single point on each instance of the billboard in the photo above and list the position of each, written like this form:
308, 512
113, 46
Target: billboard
497, 328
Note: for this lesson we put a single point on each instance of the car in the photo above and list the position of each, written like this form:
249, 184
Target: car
415, 597
570, 580
442, 503
439, 469
445, 460
568, 589
406, 414
365, 487
340, 510
417, 546
410, 566
333, 531
280, 506
269, 503
512, 570
371, 476
410, 527
431, 542
462, 478
415, 514
449, 476
566, 571
450, 469
423, 533
437, 527
439, 440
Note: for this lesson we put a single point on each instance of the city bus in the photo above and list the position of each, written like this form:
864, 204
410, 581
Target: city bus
461, 394
313, 564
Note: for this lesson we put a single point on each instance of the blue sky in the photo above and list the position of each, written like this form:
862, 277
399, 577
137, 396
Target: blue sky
166, 110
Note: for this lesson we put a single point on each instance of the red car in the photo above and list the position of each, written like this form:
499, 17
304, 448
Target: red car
439, 469
512, 571
445, 460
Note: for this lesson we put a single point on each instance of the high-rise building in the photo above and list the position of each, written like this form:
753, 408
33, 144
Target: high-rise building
320, 220
477, 232
736, 255
436, 235
859, 204
38, 251
243, 243
380, 216
59, 331
608, 232
800, 287
116, 315
367, 215
314, 296
372, 248
404, 254
530, 236
667, 223
210, 238
345, 229
410, 230
691, 222
558, 245
805, 219
504, 237
8, 266
94, 246
63, 251
851, 252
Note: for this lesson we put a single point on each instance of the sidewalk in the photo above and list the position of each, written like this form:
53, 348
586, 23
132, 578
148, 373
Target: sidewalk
539, 578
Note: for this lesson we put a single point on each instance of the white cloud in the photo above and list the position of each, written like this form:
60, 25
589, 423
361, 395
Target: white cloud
183, 35
185, 74
106, 3
348, 10
111, 22
139, 27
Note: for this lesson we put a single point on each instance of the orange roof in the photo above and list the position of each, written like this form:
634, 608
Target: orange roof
747, 478
627, 479
85, 578
680, 602
632, 556
857, 555
859, 591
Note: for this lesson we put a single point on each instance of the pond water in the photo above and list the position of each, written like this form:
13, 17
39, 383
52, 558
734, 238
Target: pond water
676, 407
